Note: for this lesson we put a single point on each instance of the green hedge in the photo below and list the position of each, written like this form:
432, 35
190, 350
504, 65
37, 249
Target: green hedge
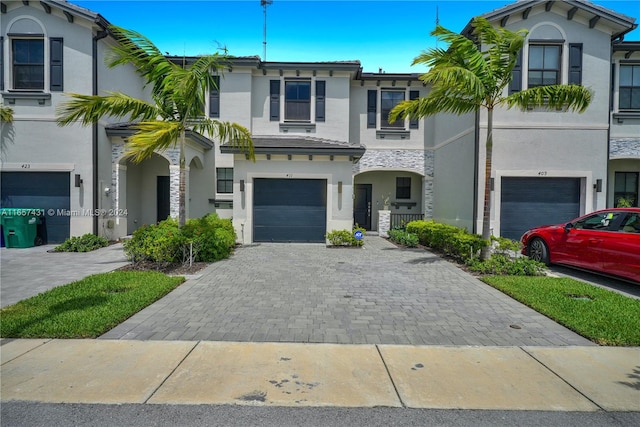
206, 239
448, 239
85, 243
345, 237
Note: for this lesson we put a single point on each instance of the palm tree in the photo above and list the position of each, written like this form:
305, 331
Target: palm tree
178, 92
473, 74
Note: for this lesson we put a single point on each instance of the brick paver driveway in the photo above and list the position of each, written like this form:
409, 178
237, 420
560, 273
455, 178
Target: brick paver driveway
309, 293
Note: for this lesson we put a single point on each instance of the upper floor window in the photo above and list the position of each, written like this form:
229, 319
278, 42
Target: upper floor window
629, 87
297, 98
544, 65
224, 183
27, 68
302, 99
28, 63
388, 100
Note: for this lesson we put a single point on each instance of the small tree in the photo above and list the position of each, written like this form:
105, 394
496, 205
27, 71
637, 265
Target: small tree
474, 74
178, 92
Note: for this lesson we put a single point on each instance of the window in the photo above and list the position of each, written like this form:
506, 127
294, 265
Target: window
28, 63
28, 68
403, 187
224, 182
603, 221
629, 87
631, 224
625, 187
297, 100
388, 100
544, 65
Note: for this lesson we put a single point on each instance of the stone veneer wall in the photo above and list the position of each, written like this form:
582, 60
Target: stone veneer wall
624, 148
419, 161
171, 154
384, 223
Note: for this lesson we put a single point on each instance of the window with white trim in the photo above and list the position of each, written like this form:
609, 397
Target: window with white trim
629, 87
27, 68
544, 65
388, 100
224, 180
27, 61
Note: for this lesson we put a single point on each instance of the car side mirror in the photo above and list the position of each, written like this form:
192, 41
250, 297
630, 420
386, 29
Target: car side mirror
568, 227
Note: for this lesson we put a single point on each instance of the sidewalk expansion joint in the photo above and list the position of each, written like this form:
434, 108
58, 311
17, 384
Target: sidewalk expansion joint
563, 380
8, 340
390, 377
171, 373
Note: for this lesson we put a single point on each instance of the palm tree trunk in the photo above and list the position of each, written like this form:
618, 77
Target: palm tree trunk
486, 212
182, 213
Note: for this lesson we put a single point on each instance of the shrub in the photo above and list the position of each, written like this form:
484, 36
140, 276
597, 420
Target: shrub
403, 238
85, 243
448, 239
506, 246
213, 238
501, 264
345, 237
206, 239
160, 243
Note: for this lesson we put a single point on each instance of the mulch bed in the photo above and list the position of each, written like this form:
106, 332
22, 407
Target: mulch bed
177, 269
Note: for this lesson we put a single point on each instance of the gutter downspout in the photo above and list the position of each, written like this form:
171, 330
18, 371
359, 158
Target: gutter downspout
94, 137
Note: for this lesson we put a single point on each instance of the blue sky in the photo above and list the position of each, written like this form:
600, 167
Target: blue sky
381, 34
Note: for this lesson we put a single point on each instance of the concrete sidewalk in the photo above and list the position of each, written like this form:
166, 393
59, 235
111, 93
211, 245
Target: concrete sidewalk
292, 374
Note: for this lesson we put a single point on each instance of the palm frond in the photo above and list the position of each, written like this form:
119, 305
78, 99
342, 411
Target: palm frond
138, 50
228, 133
88, 109
151, 136
555, 97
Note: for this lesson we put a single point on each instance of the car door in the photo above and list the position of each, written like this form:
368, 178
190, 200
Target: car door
583, 241
621, 250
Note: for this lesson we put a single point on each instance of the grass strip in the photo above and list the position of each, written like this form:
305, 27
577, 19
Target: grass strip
86, 308
603, 316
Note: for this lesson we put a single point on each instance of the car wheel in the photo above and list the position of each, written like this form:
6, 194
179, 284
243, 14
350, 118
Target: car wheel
538, 251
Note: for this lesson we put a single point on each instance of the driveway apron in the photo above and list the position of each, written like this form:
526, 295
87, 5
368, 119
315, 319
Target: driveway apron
380, 294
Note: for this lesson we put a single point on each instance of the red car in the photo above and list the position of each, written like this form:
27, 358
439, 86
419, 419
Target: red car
606, 241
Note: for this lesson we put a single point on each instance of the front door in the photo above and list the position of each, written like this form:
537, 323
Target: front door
163, 199
362, 206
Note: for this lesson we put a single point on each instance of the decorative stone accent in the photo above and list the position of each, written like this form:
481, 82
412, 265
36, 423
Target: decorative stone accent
428, 198
624, 148
384, 223
172, 154
392, 159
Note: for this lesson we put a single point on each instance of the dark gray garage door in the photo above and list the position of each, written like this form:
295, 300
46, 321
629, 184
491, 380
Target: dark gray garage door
40, 190
289, 210
529, 202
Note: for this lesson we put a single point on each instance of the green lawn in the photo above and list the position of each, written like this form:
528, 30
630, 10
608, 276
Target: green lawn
603, 316
86, 308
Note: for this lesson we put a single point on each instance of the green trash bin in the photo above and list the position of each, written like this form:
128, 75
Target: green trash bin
20, 226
